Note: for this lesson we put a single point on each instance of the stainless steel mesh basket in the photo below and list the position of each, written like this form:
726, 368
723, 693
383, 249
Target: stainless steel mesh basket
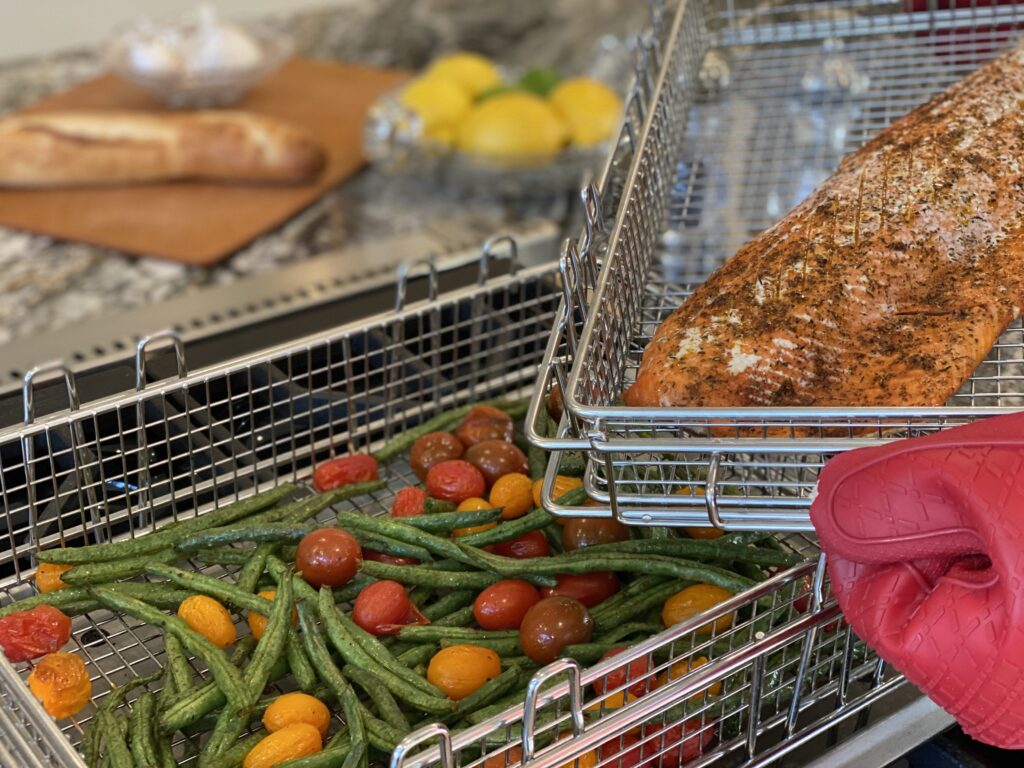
780, 668
754, 104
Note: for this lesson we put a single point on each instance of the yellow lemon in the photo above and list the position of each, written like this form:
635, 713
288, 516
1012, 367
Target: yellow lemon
472, 72
590, 108
438, 103
511, 126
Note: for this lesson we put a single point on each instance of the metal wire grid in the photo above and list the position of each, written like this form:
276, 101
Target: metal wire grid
704, 180
743, 684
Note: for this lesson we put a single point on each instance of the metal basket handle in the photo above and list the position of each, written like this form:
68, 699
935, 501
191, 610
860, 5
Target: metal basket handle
572, 669
421, 736
487, 255
27, 389
140, 355
402, 285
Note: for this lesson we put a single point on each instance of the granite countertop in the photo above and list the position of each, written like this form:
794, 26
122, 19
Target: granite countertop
47, 284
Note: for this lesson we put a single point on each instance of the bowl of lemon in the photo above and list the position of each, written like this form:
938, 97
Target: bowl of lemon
468, 124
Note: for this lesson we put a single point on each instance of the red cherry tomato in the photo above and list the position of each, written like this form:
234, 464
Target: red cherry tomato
431, 449
682, 743
589, 588
582, 532
328, 556
532, 544
455, 481
496, 458
637, 672
358, 468
33, 633
408, 502
380, 557
485, 423
383, 608
504, 604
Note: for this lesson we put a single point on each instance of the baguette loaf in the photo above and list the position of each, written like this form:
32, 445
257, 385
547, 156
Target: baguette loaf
89, 148
886, 287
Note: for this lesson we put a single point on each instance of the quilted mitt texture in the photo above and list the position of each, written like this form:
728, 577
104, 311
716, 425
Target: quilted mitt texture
925, 539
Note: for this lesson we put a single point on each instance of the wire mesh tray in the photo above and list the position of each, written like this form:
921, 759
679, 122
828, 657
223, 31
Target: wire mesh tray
754, 105
121, 467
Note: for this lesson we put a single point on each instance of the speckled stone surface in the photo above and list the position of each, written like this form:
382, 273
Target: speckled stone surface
46, 284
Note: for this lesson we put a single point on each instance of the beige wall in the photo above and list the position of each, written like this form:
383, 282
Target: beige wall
36, 27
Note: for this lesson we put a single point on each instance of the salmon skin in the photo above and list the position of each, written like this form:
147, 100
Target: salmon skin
886, 287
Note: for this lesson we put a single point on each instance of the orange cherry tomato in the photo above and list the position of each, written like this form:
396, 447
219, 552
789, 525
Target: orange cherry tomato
563, 484
693, 601
514, 494
48, 576
294, 708
209, 618
460, 669
705, 533
289, 743
61, 682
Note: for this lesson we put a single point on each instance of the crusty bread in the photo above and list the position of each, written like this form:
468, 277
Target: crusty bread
52, 149
886, 287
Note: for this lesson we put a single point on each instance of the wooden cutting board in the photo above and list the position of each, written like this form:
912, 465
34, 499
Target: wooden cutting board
201, 223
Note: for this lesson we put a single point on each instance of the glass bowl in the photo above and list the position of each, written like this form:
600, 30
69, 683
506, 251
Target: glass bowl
173, 61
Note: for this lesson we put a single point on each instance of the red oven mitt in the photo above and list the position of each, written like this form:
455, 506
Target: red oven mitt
925, 545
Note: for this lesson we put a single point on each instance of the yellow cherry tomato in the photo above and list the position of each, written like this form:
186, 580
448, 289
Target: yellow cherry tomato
681, 668
289, 743
473, 504
514, 493
48, 576
258, 622
563, 484
209, 618
693, 601
294, 708
461, 669
61, 682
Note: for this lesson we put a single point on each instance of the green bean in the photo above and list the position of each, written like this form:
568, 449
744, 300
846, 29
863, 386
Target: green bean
572, 464
272, 644
223, 555
460, 618
441, 423
553, 533
589, 653
451, 602
503, 646
191, 706
235, 755
606, 620
391, 676
418, 654
393, 547
338, 625
699, 549
537, 461
745, 537
420, 595
380, 734
310, 508
79, 599
140, 731
118, 754
178, 669
105, 572
489, 692
584, 562
298, 662
233, 534
227, 677
328, 671
336, 757
631, 628
752, 571
417, 575
168, 535
394, 529
351, 591
228, 727
341, 736
433, 633
217, 588
254, 567
511, 529
446, 522
523, 662
165, 752
114, 699
639, 586
514, 699
386, 705
437, 506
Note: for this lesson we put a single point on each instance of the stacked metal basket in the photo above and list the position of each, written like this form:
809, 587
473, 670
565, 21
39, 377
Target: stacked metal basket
733, 103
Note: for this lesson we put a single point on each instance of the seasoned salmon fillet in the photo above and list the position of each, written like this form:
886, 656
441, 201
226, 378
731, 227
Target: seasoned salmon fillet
887, 286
